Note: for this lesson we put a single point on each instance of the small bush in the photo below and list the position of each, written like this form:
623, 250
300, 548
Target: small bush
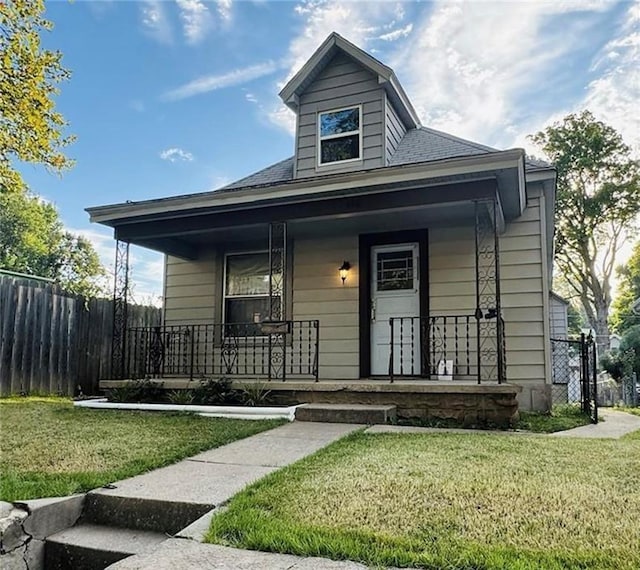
256, 394
137, 391
217, 391
181, 397
618, 363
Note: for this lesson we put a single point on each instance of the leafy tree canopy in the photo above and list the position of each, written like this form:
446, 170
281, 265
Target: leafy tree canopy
598, 201
31, 130
33, 241
623, 317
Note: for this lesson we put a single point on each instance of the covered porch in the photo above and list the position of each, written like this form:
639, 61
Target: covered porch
385, 228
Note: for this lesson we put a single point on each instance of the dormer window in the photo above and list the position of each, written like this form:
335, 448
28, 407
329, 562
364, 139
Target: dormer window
339, 135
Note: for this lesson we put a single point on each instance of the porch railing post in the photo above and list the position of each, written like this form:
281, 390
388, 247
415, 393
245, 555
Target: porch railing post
120, 307
391, 350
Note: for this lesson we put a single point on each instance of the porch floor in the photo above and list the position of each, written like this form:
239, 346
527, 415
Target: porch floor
461, 401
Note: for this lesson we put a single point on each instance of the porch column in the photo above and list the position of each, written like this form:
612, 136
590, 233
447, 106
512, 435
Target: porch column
277, 303
120, 306
490, 340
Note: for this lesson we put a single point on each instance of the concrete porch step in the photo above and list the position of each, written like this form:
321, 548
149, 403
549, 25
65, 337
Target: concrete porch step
94, 547
346, 413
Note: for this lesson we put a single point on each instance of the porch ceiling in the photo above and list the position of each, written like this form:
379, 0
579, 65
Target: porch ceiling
186, 234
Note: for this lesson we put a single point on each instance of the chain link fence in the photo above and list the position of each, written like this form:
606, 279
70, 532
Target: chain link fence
574, 374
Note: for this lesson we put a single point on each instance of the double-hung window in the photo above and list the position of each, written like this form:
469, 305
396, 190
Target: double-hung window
246, 292
339, 135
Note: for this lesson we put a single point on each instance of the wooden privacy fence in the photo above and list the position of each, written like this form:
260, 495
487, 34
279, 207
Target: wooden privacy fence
52, 342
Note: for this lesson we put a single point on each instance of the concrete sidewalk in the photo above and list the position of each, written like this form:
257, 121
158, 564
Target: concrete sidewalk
214, 476
613, 425
190, 555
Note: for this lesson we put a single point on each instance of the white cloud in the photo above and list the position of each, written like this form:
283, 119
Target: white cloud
472, 69
213, 82
614, 96
176, 154
225, 9
155, 21
196, 19
397, 34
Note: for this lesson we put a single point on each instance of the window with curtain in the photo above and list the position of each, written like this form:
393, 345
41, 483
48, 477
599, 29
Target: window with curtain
246, 291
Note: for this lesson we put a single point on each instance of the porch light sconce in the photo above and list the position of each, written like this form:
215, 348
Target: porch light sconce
344, 270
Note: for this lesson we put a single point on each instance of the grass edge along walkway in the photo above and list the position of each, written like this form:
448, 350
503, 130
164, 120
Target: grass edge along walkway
50, 448
329, 504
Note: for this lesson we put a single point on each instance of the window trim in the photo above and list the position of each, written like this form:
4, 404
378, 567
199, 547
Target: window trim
321, 138
224, 286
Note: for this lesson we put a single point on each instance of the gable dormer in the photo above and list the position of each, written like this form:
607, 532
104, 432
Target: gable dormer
351, 111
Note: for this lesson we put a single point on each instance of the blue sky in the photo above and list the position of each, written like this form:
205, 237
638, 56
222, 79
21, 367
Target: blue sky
177, 97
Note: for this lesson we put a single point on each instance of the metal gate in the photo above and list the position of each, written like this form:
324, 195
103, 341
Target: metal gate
574, 371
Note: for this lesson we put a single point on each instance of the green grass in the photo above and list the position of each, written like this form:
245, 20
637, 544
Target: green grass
49, 448
628, 409
560, 418
450, 501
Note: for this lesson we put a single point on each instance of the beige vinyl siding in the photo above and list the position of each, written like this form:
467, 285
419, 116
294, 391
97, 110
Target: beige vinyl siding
395, 130
342, 83
190, 290
452, 287
318, 293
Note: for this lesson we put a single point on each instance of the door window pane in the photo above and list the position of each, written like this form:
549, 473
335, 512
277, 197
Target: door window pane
394, 270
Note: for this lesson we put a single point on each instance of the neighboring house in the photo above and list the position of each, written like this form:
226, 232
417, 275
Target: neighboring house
558, 316
614, 341
381, 249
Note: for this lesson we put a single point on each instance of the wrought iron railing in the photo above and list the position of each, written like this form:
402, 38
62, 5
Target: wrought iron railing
272, 351
445, 347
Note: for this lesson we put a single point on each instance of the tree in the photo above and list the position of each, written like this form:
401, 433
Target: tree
31, 130
623, 316
33, 241
597, 202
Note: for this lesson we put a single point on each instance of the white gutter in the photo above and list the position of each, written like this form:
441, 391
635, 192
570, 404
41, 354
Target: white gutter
238, 412
312, 186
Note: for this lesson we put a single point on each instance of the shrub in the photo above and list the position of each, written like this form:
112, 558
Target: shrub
216, 391
181, 397
631, 342
137, 391
618, 363
256, 394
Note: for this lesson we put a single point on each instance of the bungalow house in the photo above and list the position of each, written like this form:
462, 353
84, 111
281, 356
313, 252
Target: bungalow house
383, 261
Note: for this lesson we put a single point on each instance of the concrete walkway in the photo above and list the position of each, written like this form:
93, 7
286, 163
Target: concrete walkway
190, 555
613, 425
203, 483
214, 476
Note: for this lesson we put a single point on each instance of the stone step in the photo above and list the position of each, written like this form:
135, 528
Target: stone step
170, 517
94, 547
346, 413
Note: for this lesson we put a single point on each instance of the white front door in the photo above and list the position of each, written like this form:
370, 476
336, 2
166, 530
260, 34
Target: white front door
395, 286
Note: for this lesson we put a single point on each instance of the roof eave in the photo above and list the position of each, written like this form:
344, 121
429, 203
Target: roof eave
246, 197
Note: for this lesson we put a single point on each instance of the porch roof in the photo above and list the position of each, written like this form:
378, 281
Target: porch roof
177, 224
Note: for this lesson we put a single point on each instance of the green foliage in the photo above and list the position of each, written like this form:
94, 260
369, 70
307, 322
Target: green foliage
618, 363
180, 397
31, 130
137, 391
217, 392
623, 317
597, 202
631, 342
255, 394
33, 241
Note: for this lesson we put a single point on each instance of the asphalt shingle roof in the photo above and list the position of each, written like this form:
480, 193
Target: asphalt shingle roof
418, 145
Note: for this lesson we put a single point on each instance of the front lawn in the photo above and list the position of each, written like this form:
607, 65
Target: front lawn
49, 448
472, 502
560, 418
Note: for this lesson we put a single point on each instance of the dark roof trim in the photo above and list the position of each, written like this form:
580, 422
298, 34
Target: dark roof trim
304, 187
386, 76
